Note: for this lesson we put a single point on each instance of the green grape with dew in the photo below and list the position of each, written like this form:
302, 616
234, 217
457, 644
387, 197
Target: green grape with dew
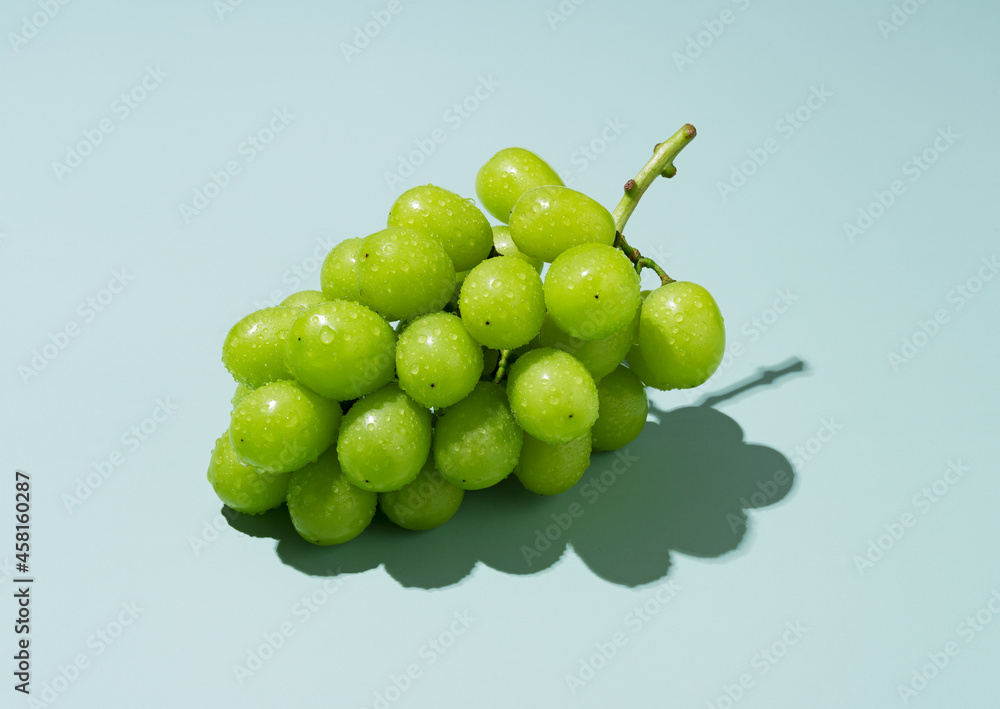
240, 486
551, 469
552, 395
403, 273
502, 302
591, 291
338, 276
281, 426
681, 335
455, 223
507, 175
548, 220
437, 361
477, 441
325, 507
341, 349
384, 440
254, 349
427, 502
622, 410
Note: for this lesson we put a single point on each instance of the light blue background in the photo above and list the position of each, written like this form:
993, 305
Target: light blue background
558, 81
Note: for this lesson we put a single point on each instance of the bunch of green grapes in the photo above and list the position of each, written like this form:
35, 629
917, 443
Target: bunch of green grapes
436, 358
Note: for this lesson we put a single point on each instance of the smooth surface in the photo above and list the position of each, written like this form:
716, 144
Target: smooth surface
141, 382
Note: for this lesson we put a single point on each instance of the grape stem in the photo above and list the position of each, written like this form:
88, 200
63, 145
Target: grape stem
641, 261
662, 163
501, 366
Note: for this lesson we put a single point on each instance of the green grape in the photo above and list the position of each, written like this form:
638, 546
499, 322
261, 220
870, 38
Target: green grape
508, 175
282, 426
455, 223
437, 361
552, 395
341, 349
502, 303
681, 335
402, 274
384, 440
305, 299
477, 441
339, 275
549, 469
427, 502
505, 246
591, 291
240, 486
241, 391
600, 357
548, 220
324, 506
621, 415
254, 350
